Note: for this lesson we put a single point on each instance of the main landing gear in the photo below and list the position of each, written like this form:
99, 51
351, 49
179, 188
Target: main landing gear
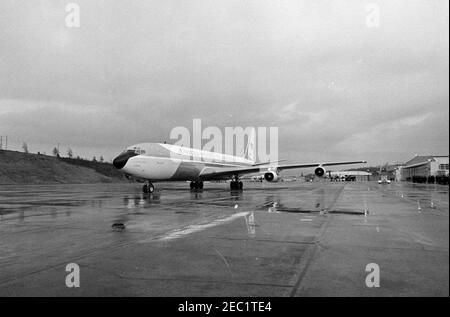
236, 185
148, 188
196, 185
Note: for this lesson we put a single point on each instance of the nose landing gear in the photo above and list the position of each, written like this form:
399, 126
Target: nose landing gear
236, 185
148, 188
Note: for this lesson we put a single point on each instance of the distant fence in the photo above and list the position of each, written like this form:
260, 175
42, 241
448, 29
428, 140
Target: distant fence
442, 180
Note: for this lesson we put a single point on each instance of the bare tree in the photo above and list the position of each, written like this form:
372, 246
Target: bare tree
70, 153
56, 152
94, 159
102, 159
25, 147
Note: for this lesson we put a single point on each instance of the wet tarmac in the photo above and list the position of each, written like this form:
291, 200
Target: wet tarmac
281, 239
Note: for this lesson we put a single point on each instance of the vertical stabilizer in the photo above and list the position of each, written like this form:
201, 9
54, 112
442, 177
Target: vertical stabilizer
250, 150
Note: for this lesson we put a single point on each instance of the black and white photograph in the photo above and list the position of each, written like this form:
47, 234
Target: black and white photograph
241, 150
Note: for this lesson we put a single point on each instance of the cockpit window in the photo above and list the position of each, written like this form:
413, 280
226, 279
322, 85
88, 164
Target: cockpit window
137, 150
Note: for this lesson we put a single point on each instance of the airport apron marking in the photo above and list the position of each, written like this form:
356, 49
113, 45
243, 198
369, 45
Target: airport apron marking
178, 233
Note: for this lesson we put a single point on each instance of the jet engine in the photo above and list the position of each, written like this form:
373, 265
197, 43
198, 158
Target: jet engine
320, 171
271, 177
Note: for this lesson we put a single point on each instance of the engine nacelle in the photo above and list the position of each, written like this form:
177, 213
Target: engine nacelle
320, 171
271, 177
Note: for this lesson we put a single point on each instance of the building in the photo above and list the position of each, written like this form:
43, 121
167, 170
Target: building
424, 166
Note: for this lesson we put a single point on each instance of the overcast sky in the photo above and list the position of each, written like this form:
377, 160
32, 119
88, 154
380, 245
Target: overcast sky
133, 70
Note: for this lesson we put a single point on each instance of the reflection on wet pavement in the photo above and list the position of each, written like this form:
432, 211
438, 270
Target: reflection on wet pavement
62, 200
267, 227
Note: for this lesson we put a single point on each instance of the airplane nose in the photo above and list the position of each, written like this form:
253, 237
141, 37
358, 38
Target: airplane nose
120, 161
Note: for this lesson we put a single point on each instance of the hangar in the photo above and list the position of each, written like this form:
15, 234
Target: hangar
422, 167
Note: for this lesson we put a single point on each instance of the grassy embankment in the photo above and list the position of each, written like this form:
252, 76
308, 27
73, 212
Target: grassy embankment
27, 168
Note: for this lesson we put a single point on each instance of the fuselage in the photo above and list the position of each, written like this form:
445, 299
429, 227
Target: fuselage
167, 162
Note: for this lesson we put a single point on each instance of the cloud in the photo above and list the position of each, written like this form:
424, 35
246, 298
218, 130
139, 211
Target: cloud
135, 70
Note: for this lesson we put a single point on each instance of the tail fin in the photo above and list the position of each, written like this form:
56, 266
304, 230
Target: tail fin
250, 150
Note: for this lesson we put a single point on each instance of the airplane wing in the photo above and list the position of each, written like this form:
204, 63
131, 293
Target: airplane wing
212, 173
290, 166
268, 163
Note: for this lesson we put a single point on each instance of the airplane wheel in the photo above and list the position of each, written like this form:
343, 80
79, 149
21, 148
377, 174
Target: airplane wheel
196, 185
148, 188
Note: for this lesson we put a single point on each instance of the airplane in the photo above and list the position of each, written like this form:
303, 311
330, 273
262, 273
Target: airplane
160, 162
